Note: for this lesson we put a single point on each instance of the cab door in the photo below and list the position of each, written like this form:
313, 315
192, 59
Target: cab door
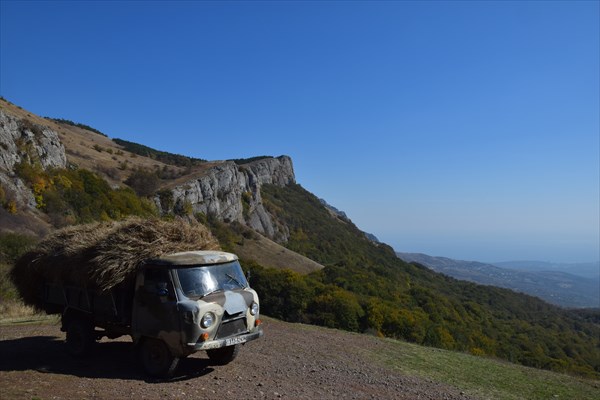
155, 307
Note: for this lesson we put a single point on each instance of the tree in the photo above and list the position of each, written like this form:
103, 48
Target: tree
337, 308
143, 182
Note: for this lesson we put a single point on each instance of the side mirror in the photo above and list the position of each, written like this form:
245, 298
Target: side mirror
248, 276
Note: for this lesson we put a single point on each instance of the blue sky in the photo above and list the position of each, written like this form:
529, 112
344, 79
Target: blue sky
461, 129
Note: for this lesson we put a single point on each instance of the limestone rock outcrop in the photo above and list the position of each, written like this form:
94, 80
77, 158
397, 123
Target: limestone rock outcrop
231, 192
21, 140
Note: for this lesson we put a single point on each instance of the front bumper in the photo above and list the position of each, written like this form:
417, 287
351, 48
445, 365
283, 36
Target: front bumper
230, 341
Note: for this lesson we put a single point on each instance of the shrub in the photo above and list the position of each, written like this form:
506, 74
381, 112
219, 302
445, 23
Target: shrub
183, 208
143, 181
14, 245
78, 196
111, 172
69, 122
25, 124
166, 200
163, 156
284, 294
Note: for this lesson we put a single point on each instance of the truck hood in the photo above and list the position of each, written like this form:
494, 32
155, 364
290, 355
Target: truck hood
232, 301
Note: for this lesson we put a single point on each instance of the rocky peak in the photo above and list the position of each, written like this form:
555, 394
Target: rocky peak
277, 171
231, 192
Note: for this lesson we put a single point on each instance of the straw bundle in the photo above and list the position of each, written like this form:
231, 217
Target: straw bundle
103, 255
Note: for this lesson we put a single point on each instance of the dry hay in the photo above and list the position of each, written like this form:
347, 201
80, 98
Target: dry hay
100, 256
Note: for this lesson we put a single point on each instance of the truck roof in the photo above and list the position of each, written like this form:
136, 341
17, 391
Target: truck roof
200, 257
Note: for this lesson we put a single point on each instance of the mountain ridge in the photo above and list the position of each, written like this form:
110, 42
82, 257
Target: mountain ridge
226, 190
583, 269
555, 287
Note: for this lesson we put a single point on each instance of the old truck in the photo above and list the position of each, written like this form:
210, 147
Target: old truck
174, 306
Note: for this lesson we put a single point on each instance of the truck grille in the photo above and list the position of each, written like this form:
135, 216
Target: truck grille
232, 328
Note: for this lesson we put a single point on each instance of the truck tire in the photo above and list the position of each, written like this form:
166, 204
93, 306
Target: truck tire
80, 337
223, 355
157, 359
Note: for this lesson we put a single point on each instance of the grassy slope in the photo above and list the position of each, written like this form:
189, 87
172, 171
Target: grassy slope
270, 254
96, 152
486, 378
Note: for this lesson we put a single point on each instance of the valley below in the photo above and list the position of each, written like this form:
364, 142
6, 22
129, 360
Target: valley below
554, 283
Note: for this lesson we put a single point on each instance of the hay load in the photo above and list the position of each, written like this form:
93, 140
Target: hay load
103, 255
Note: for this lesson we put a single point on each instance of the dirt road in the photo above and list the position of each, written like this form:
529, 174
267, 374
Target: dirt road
291, 362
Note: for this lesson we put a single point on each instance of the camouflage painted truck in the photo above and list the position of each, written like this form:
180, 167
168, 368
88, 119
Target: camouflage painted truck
178, 304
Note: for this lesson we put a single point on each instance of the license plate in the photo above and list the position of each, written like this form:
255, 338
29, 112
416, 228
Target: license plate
235, 340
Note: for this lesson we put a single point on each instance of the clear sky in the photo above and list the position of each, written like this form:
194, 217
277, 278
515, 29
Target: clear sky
460, 129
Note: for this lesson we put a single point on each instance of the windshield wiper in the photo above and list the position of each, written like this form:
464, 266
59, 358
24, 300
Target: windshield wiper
233, 278
211, 292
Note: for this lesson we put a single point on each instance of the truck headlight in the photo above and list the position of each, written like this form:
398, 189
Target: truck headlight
254, 308
207, 320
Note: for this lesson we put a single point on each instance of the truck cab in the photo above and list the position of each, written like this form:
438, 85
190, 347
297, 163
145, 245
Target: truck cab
192, 301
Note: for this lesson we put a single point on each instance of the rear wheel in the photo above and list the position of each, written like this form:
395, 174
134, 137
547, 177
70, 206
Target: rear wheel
223, 355
80, 337
157, 358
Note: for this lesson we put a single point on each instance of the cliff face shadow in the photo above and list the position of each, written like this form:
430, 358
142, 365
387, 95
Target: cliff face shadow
109, 360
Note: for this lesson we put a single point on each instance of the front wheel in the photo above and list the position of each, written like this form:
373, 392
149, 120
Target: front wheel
223, 355
157, 358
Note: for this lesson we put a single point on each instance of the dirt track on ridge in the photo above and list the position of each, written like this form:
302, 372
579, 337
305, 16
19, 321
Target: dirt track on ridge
291, 362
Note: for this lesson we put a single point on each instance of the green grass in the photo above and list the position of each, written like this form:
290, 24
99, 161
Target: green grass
34, 318
12, 309
480, 377
484, 377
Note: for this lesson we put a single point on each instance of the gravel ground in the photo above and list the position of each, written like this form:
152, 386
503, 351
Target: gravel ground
290, 361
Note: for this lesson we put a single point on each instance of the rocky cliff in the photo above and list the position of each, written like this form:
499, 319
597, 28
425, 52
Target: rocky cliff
22, 140
231, 192
225, 190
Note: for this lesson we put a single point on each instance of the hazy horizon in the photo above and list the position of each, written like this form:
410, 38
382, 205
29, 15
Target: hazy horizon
469, 130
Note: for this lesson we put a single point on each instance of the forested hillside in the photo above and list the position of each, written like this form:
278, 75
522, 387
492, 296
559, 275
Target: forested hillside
365, 287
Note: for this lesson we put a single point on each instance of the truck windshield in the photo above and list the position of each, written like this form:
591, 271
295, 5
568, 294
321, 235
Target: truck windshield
202, 281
